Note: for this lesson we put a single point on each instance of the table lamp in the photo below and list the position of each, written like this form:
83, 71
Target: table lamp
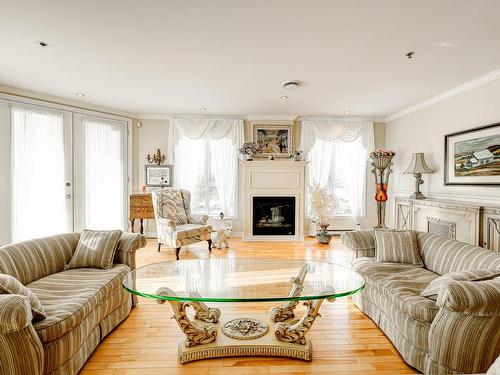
417, 167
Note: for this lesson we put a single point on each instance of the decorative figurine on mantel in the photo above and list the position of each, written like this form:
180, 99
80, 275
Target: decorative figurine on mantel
248, 150
381, 162
417, 167
323, 203
157, 158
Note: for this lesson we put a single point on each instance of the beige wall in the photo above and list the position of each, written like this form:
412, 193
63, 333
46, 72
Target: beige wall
424, 130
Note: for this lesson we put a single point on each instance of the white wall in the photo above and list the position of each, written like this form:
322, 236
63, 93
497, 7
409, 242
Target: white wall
154, 134
424, 130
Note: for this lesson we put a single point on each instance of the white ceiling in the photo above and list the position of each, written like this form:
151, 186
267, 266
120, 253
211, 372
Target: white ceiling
174, 57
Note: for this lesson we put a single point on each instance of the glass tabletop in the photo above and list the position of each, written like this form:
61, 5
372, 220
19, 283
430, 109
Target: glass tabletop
243, 280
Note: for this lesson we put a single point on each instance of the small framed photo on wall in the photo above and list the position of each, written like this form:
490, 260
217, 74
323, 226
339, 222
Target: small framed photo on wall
472, 157
158, 175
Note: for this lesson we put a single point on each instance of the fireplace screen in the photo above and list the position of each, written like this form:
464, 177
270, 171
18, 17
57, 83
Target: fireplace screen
274, 216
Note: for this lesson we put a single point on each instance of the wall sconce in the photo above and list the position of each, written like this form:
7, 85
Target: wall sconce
157, 158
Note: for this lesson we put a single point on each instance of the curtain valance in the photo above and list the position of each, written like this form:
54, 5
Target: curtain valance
331, 130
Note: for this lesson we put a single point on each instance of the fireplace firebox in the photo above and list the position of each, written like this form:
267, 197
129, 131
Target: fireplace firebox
274, 216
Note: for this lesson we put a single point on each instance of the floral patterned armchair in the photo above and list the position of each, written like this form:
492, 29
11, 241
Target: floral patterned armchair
175, 224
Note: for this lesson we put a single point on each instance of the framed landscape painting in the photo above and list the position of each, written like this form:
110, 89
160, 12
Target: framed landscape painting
275, 140
472, 157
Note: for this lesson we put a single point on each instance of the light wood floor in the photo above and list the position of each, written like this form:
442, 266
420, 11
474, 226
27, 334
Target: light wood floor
345, 341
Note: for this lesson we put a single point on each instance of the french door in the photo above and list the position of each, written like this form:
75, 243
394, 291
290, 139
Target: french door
69, 172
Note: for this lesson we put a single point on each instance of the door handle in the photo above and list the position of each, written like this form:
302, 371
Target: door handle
68, 196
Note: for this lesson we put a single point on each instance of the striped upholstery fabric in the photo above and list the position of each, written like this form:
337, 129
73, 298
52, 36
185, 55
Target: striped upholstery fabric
443, 255
95, 249
432, 290
82, 305
460, 333
10, 285
397, 247
361, 241
31, 260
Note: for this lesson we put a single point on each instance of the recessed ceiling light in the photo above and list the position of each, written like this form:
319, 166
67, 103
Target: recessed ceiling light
284, 97
80, 94
347, 112
291, 85
203, 109
43, 44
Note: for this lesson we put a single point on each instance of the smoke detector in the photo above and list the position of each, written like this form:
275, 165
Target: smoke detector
291, 85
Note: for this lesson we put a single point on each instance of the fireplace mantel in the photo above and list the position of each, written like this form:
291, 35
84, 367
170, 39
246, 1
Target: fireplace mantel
278, 178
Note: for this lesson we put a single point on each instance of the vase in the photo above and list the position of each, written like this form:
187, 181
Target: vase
381, 170
323, 236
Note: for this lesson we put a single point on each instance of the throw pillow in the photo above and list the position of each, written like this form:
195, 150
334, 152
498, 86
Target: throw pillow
95, 249
397, 247
432, 290
11, 285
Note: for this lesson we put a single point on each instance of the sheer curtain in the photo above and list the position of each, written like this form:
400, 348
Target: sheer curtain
38, 173
100, 173
204, 150
340, 146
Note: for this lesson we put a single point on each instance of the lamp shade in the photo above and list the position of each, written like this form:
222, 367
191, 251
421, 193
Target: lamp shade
418, 164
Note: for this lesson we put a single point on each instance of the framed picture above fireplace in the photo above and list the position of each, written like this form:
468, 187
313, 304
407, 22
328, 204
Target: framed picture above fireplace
275, 140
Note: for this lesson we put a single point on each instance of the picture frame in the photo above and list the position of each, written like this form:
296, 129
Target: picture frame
273, 139
472, 156
158, 175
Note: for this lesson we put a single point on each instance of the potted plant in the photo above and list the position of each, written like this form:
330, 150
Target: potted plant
323, 203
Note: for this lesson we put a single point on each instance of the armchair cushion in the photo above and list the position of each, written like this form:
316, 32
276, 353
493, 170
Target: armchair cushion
432, 290
193, 231
95, 249
397, 247
171, 205
10, 285
198, 219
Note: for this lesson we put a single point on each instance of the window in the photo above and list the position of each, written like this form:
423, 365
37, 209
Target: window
207, 168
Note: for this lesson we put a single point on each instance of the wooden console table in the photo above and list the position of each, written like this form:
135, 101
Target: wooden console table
141, 207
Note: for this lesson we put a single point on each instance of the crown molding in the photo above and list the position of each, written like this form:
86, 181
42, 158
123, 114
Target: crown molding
446, 95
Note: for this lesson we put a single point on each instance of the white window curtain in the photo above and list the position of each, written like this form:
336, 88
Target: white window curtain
205, 154
339, 147
101, 173
38, 173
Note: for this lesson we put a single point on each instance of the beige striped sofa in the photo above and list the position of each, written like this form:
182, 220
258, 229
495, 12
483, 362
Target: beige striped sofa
82, 305
457, 333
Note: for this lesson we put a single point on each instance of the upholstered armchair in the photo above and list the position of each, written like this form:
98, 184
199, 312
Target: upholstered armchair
175, 224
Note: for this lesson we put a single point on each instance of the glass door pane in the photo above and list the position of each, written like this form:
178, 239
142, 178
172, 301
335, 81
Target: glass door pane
101, 173
41, 172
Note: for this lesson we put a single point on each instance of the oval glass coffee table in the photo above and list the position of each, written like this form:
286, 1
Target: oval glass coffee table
193, 283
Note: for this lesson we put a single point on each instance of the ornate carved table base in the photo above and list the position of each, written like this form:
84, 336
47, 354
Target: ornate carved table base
277, 334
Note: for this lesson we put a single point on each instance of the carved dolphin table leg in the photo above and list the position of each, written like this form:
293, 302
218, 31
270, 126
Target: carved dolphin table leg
196, 333
285, 311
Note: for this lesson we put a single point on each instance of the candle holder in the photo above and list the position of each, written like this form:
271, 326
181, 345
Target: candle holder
381, 163
157, 158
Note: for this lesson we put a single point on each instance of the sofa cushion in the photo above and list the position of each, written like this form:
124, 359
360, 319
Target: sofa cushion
69, 296
443, 255
401, 284
432, 290
95, 248
11, 285
397, 246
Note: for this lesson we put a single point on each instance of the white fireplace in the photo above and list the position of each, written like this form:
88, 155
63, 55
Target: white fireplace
273, 199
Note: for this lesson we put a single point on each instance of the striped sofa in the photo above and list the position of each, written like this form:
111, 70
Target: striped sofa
457, 333
82, 305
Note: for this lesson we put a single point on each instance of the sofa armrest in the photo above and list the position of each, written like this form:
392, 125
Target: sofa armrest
15, 313
479, 298
198, 219
21, 351
361, 241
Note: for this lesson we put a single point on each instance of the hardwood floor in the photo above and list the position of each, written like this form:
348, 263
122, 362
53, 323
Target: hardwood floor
345, 341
